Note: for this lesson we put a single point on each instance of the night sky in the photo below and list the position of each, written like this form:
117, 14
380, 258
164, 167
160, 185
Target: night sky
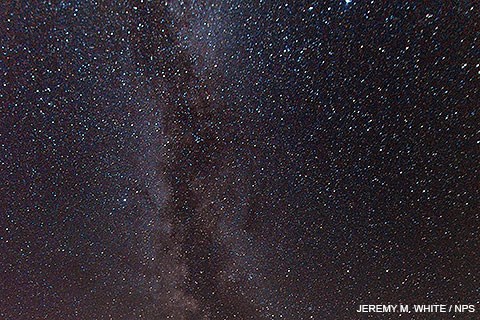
238, 159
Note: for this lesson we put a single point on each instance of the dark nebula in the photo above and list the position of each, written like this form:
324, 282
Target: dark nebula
238, 159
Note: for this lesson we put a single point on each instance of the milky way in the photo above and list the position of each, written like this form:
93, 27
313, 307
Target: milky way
237, 159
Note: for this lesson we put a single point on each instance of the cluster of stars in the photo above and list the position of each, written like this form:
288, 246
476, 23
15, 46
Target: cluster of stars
229, 160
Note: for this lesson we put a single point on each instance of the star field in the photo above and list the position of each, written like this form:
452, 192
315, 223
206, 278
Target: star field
238, 160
